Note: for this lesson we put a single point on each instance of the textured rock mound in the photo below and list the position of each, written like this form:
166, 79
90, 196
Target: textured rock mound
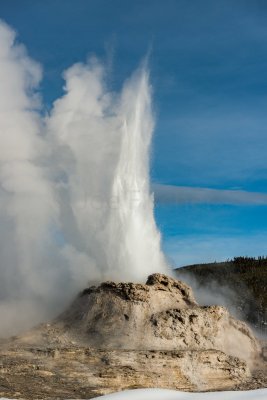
160, 315
122, 335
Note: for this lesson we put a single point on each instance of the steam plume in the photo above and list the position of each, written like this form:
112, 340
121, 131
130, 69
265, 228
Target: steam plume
75, 202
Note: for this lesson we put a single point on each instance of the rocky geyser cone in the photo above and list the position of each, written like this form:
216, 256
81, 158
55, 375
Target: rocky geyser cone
161, 314
119, 336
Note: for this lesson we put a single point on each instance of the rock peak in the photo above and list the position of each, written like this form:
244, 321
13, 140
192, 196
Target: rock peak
142, 292
164, 282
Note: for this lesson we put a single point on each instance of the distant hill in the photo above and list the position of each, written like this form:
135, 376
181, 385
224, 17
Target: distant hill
240, 284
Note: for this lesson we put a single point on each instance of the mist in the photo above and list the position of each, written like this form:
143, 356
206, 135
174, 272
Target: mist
75, 200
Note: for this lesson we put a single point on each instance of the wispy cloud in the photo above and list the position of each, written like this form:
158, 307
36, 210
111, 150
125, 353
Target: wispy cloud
167, 194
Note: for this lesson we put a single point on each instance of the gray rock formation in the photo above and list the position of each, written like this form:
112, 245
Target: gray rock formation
160, 315
122, 335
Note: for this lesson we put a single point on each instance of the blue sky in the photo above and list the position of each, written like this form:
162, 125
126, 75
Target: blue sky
208, 63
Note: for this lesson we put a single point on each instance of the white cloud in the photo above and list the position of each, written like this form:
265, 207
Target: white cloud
183, 194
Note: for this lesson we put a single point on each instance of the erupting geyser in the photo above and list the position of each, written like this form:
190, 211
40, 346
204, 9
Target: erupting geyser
76, 209
105, 141
74, 186
132, 228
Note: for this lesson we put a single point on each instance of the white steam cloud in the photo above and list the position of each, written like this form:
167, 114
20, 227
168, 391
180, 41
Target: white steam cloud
75, 201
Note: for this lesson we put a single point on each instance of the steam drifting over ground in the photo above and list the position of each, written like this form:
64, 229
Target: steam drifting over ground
75, 202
